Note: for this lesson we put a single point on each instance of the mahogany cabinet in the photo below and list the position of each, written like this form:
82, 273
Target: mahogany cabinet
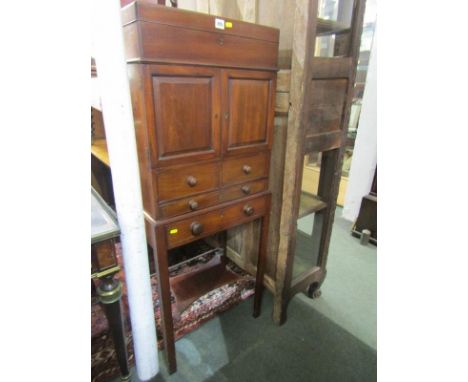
203, 95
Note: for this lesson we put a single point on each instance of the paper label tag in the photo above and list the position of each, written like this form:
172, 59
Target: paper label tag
219, 23
228, 24
173, 231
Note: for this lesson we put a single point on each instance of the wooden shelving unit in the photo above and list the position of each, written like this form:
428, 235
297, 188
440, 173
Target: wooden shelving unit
310, 204
321, 91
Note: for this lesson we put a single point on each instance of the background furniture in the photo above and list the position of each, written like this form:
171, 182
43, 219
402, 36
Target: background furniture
104, 265
321, 93
203, 95
367, 218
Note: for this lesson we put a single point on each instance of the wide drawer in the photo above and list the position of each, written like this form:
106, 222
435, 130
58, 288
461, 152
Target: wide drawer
183, 231
181, 181
188, 230
242, 190
190, 204
245, 168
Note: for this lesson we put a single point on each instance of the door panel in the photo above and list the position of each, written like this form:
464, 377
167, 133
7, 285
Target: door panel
185, 125
248, 106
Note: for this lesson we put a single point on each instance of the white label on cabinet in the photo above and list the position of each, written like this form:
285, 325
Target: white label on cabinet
219, 23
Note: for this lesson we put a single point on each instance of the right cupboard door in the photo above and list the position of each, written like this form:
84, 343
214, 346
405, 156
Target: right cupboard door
248, 110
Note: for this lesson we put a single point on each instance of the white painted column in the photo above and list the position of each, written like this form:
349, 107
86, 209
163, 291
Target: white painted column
120, 134
365, 148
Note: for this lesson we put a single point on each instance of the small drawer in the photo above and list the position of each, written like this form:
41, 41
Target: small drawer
190, 204
188, 230
244, 168
242, 190
243, 211
178, 182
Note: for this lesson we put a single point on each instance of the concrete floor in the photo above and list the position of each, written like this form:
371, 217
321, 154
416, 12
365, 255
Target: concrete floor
332, 338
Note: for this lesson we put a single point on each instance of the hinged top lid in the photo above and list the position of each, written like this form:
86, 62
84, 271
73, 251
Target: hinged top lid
150, 12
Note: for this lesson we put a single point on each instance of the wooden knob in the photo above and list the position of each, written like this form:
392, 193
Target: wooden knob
247, 169
191, 181
193, 205
196, 228
245, 189
248, 210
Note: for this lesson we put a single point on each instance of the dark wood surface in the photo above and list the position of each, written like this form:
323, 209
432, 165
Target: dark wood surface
196, 47
245, 168
183, 180
145, 11
185, 113
248, 110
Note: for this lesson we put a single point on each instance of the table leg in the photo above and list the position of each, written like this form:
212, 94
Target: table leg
162, 270
261, 262
110, 293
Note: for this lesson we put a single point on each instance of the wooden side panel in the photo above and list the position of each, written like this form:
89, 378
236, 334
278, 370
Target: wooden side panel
324, 113
140, 98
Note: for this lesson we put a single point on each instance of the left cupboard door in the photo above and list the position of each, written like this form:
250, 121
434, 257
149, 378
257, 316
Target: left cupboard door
183, 112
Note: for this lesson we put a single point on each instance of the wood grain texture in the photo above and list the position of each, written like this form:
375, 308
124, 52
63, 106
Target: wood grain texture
303, 46
184, 118
189, 46
248, 104
283, 81
243, 189
183, 206
173, 182
152, 13
234, 169
180, 231
325, 108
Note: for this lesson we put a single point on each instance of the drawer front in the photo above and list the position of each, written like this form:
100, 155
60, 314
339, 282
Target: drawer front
183, 231
242, 190
190, 204
243, 211
179, 182
191, 46
245, 168
188, 230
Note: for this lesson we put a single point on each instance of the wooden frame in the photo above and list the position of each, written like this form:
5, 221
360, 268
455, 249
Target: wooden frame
302, 139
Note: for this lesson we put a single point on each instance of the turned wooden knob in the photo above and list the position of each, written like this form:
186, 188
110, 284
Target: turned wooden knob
191, 181
248, 210
245, 189
196, 228
193, 205
247, 169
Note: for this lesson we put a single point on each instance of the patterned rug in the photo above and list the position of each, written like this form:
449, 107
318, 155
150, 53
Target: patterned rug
104, 364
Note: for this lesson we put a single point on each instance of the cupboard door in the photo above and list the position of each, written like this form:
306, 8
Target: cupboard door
184, 113
248, 108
